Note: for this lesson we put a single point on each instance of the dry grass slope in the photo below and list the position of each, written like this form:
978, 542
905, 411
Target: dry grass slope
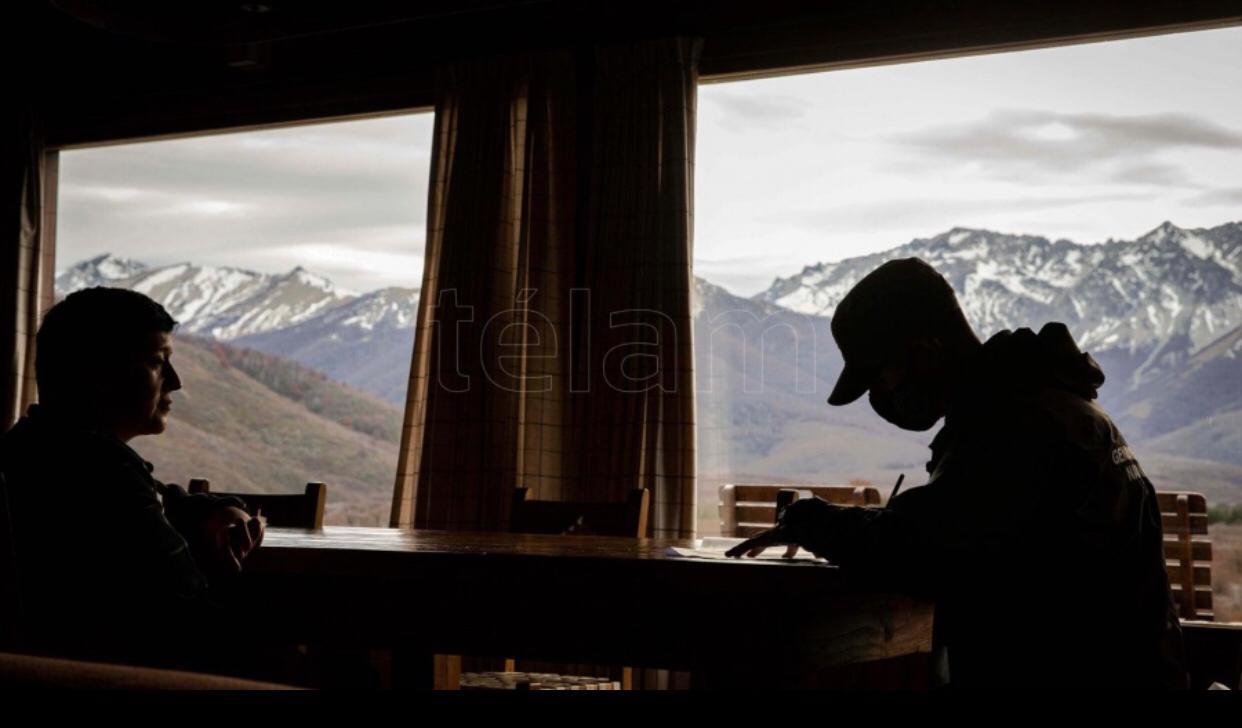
1227, 571
233, 429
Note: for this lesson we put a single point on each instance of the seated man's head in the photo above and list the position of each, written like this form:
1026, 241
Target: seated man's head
103, 358
902, 334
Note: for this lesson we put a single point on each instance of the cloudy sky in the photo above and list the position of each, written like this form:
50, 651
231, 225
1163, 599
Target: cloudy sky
347, 200
1084, 142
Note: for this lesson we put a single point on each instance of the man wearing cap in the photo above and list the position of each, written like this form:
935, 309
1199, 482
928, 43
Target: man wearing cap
1037, 533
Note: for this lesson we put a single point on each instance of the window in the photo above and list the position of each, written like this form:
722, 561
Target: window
1099, 185
292, 260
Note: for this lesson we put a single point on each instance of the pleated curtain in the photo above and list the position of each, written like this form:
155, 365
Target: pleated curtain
28, 260
553, 342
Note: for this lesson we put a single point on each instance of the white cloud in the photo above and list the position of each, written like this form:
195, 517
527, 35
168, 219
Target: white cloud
348, 199
1083, 142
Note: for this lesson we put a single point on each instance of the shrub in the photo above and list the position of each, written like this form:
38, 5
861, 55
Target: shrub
1225, 513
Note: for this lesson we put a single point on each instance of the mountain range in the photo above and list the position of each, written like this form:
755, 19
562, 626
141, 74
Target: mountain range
1162, 313
1161, 297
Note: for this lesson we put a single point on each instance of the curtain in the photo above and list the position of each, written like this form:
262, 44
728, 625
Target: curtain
553, 341
27, 265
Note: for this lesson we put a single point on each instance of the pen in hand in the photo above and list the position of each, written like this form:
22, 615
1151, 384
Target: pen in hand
896, 487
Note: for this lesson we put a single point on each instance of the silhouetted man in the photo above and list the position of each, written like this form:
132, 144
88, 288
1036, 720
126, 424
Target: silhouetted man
112, 564
1037, 533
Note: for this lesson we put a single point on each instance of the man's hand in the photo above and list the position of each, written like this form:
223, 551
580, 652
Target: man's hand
758, 544
795, 528
232, 534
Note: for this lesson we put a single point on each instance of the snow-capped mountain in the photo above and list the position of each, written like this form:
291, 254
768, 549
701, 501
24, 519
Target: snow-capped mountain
1144, 308
219, 302
102, 270
1160, 298
377, 311
365, 342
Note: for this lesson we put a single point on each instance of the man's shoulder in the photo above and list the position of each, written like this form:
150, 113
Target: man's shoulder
39, 432
1081, 421
1045, 414
38, 456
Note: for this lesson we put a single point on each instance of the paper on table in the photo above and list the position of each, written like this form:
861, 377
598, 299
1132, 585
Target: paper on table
715, 548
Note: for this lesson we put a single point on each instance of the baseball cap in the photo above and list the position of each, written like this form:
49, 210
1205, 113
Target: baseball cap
879, 317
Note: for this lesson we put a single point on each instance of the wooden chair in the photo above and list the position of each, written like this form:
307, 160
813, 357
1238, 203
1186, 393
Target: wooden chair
282, 510
294, 510
1187, 552
748, 508
626, 518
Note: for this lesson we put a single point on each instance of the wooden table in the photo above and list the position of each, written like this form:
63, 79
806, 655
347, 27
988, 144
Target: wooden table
578, 599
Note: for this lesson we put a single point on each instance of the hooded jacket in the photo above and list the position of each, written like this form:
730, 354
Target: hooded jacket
1037, 534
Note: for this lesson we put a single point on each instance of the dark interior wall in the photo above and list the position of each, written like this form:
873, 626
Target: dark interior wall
114, 71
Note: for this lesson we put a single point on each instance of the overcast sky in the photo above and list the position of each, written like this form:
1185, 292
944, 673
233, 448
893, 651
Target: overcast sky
347, 199
1084, 142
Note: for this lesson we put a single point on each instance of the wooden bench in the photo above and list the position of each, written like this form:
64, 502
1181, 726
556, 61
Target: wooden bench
1187, 552
748, 508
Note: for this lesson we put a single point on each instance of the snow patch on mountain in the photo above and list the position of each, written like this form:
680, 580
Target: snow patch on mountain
216, 301
1149, 303
102, 270
1168, 289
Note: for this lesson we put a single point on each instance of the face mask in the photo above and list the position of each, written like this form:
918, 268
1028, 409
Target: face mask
909, 406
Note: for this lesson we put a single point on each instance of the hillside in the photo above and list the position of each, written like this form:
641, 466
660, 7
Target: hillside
268, 425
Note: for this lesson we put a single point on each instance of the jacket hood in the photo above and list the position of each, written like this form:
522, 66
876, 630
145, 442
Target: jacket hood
1022, 360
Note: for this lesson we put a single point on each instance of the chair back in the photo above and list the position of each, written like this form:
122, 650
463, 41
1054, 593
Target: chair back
1187, 552
620, 518
282, 510
748, 508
